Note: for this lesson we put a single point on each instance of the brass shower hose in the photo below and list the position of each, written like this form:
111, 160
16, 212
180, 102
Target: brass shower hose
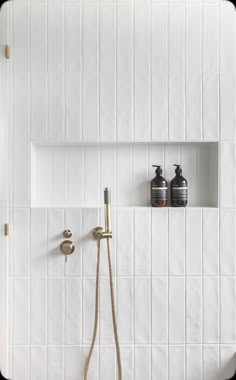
86, 367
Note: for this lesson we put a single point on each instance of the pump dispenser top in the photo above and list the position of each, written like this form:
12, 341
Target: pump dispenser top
178, 169
158, 169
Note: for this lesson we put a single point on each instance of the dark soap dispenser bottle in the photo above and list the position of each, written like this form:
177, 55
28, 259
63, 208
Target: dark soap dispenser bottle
159, 189
179, 189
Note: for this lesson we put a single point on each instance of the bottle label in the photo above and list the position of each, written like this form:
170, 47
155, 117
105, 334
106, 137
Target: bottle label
179, 193
159, 193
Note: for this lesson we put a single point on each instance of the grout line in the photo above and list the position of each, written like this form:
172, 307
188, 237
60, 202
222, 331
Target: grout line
99, 70
133, 67
168, 292
47, 291
202, 296
82, 70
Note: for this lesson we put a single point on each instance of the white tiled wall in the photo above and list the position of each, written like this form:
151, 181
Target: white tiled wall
95, 92
175, 295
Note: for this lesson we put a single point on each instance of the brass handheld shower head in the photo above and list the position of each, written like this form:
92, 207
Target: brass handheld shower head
100, 232
107, 209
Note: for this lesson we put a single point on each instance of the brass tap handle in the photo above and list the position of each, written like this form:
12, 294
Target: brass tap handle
67, 234
67, 247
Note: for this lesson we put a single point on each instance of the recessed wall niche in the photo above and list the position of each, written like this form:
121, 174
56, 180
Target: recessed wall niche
72, 175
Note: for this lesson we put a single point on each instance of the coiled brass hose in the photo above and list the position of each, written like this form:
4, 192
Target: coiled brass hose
86, 367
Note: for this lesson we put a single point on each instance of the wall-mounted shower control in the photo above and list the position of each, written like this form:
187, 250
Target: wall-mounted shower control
67, 234
67, 247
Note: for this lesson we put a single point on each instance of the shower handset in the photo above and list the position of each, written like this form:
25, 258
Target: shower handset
107, 209
105, 232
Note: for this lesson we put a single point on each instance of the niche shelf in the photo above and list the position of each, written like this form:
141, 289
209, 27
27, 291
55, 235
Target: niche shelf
73, 175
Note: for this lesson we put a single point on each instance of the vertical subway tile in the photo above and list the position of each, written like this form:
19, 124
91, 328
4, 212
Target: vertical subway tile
58, 177
227, 72
142, 235
21, 355
107, 362
55, 237
108, 170
171, 157
21, 241
142, 362
142, 316
211, 309
106, 327
140, 175
176, 363
176, 310
38, 311
38, 242
21, 318
55, 309
38, 72
227, 310
141, 71
193, 310
73, 311
176, 72
73, 221
73, 72
210, 242
227, 242
75, 175
193, 241
88, 308
159, 241
124, 176
73, 363
193, 71
90, 72
10, 363
124, 71
188, 159
227, 174
159, 70
210, 362
55, 363
107, 73
21, 106
159, 310
55, 66
176, 242
160, 362
127, 358
125, 305
38, 363
91, 176
194, 362
42, 196
94, 363
210, 72
89, 247
125, 241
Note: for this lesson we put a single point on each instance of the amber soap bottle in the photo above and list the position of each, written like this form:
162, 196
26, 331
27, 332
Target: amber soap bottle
179, 189
159, 189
